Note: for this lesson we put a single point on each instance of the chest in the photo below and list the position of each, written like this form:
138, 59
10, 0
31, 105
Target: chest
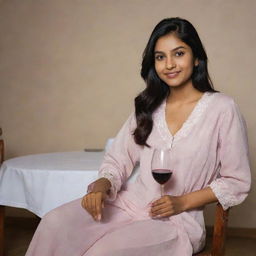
176, 116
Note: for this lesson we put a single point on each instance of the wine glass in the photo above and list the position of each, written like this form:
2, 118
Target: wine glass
161, 167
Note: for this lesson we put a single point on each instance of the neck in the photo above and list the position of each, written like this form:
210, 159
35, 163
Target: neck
184, 94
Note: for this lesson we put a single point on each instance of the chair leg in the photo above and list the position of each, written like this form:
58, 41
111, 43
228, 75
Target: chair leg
2, 248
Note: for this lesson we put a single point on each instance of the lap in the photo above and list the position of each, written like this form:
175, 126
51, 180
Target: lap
144, 237
74, 232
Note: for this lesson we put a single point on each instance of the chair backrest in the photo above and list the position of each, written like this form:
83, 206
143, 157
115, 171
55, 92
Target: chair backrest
1, 147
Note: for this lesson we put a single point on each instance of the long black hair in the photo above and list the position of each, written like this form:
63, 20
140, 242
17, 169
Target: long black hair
156, 90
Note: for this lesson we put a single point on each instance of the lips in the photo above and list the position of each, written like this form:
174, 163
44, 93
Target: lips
172, 74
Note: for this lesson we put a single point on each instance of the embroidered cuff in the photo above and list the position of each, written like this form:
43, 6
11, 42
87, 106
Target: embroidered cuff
222, 192
114, 184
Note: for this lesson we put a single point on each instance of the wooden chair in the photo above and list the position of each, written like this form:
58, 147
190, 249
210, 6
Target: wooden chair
1, 206
219, 233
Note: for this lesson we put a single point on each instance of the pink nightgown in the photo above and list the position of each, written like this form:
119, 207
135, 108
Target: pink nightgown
210, 149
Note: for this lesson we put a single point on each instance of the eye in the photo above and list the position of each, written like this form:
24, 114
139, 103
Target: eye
159, 57
179, 53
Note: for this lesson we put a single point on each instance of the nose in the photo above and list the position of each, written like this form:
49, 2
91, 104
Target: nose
170, 63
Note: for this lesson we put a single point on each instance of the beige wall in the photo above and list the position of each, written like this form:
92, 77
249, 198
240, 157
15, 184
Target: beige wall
69, 70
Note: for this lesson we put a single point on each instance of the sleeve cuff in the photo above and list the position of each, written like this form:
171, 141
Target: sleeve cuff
221, 191
114, 184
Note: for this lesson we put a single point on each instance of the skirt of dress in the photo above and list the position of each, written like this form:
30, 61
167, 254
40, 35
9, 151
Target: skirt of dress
70, 231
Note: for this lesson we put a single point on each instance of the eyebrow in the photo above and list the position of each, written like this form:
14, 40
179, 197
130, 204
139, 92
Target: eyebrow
175, 49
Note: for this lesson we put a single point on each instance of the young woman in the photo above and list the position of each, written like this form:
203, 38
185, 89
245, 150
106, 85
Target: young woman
179, 109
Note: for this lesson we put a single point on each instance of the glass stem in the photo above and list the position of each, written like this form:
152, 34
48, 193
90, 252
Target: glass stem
162, 190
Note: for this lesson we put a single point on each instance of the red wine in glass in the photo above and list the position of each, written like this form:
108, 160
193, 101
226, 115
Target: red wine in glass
161, 175
161, 166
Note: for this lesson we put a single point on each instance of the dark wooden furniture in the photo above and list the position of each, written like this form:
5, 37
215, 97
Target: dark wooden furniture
1, 207
219, 233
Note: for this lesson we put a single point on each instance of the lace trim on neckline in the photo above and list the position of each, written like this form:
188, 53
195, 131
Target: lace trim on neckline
185, 129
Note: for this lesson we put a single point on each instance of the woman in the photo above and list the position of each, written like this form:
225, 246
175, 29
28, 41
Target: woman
179, 109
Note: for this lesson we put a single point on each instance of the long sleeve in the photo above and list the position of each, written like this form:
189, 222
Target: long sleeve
233, 183
121, 157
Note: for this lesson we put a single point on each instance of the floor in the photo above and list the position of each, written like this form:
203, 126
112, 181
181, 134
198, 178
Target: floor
20, 232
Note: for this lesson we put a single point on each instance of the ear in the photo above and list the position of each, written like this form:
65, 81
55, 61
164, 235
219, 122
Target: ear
196, 62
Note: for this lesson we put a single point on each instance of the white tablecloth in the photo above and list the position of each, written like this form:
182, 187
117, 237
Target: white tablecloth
42, 182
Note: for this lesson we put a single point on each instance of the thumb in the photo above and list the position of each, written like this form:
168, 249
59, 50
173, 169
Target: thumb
102, 204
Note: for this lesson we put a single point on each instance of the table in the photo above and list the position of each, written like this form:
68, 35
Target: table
42, 182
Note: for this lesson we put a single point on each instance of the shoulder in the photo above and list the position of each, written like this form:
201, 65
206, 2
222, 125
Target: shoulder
225, 103
227, 108
224, 99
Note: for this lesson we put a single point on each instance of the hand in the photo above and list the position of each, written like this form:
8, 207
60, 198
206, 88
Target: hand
167, 206
93, 203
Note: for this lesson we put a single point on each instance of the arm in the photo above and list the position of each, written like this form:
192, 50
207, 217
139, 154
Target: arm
120, 159
233, 183
117, 166
198, 198
171, 205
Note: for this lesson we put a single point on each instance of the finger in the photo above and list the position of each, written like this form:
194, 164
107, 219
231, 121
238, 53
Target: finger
166, 214
159, 206
83, 203
159, 201
163, 215
94, 205
98, 205
89, 204
160, 211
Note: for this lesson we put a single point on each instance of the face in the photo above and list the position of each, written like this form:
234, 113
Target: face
174, 61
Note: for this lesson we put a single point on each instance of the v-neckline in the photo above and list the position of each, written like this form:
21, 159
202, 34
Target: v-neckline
190, 116
187, 127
